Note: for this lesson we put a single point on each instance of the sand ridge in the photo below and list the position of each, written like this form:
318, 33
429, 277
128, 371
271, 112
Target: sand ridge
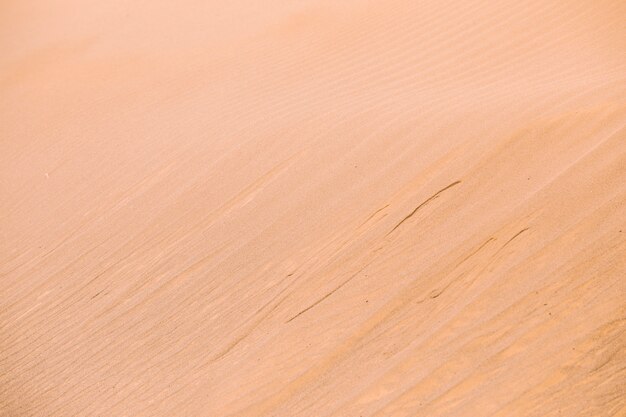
313, 208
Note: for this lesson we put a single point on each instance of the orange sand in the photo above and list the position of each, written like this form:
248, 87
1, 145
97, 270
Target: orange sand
313, 208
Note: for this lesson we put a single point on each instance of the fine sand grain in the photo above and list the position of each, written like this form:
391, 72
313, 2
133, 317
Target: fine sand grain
290, 208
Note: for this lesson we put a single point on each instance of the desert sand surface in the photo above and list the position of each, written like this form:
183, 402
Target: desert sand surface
317, 208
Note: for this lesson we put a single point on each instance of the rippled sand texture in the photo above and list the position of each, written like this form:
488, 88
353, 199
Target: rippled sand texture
313, 208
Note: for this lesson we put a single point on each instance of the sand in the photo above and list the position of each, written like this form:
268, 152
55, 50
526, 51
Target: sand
313, 208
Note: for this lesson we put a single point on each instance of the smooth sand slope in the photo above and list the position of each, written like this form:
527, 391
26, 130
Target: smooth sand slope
317, 208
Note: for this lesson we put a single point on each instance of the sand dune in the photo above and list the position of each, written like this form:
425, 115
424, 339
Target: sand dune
313, 208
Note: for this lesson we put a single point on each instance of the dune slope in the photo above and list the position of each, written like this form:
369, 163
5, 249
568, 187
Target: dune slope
313, 208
